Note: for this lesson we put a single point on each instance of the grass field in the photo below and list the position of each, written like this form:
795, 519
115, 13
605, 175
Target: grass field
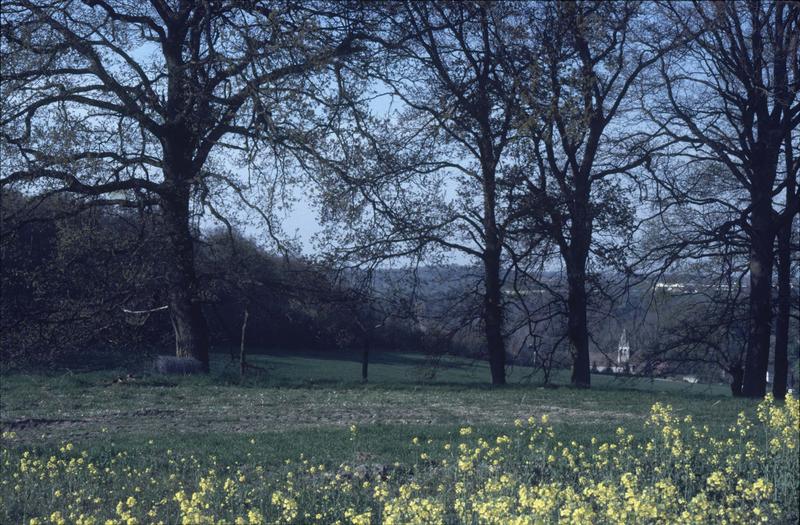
301, 403
309, 405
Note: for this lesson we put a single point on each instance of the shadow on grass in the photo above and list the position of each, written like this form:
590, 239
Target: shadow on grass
341, 370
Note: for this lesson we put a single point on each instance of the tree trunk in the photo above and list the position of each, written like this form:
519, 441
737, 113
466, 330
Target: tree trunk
760, 301
784, 306
365, 363
737, 374
577, 329
779, 384
366, 340
191, 331
492, 299
493, 318
575, 256
242, 355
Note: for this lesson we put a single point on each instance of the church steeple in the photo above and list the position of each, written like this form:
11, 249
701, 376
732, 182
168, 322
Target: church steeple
624, 348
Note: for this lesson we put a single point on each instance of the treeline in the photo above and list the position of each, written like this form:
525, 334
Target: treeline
70, 274
612, 141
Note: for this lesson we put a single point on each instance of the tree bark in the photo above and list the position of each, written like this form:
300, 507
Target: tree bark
365, 363
579, 337
191, 330
493, 318
242, 355
779, 384
737, 375
492, 299
575, 257
782, 319
366, 340
760, 301
577, 329
179, 142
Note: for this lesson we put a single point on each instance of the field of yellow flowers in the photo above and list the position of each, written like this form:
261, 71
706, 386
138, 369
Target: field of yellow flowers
670, 471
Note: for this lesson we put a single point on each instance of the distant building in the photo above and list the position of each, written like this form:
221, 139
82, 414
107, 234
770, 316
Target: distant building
624, 349
622, 363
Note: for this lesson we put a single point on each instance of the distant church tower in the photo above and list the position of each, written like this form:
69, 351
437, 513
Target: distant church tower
624, 348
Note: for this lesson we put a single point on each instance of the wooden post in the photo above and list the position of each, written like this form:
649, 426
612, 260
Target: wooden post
242, 362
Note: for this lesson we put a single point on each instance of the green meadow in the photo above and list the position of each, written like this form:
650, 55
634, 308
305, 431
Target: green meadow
302, 439
306, 404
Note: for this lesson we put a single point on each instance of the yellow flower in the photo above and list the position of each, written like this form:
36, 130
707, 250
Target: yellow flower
716, 480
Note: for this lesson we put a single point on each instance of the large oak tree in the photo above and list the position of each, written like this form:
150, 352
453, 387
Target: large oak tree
584, 144
427, 176
731, 100
154, 102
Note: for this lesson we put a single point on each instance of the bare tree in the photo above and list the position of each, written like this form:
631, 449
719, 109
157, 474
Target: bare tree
696, 315
731, 99
785, 247
154, 102
427, 179
584, 144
